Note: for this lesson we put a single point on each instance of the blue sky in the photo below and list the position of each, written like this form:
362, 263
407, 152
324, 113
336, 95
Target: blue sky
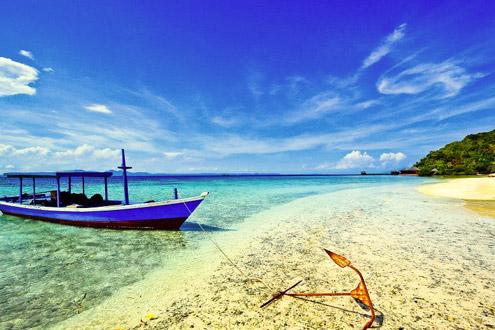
254, 86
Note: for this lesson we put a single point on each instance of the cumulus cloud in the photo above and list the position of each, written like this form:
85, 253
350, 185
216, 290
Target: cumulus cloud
77, 152
107, 153
8, 150
48, 69
386, 46
16, 77
26, 53
37, 157
100, 108
446, 77
392, 158
42, 151
355, 159
86, 150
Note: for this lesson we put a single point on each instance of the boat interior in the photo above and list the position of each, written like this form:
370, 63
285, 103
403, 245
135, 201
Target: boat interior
67, 199
59, 198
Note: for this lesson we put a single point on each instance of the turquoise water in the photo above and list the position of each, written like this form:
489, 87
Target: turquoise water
51, 272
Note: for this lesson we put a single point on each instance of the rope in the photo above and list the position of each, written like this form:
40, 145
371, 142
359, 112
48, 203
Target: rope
210, 237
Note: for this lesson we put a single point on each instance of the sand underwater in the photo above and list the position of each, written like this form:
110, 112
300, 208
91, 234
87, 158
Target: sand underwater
428, 263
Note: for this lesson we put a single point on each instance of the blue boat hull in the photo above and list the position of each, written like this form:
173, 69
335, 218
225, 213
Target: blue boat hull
156, 215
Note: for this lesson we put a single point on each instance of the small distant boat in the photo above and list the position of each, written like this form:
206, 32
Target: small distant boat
97, 211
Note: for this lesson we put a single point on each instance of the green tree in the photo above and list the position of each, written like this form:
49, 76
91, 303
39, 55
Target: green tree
474, 154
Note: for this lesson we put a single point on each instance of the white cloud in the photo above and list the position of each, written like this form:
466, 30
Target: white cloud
386, 46
325, 105
367, 104
392, 158
158, 102
172, 154
9, 151
316, 107
15, 78
48, 69
26, 53
84, 155
100, 108
231, 144
107, 153
82, 150
224, 122
5, 149
452, 111
359, 160
446, 77
355, 159
86, 150
41, 151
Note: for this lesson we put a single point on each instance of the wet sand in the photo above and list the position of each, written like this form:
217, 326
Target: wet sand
485, 208
428, 263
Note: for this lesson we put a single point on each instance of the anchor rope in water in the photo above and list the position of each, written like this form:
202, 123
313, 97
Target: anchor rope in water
209, 235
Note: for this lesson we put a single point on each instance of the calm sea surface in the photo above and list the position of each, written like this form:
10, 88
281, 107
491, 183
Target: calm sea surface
50, 272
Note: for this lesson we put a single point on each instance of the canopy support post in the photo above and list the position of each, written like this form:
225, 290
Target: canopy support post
34, 191
58, 190
20, 190
106, 189
124, 169
83, 185
69, 182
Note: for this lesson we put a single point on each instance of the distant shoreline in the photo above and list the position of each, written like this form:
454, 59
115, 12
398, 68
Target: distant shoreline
245, 174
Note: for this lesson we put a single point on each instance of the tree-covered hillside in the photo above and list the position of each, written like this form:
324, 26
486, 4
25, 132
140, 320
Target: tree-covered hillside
474, 154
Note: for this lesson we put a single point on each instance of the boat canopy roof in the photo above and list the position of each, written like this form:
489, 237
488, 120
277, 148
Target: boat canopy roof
62, 174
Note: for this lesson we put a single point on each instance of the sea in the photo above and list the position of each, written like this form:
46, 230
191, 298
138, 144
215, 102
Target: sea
51, 272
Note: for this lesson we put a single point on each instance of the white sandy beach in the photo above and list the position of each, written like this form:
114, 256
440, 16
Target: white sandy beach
428, 263
464, 188
478, 194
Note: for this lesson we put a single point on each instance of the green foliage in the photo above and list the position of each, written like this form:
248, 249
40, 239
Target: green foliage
474, 154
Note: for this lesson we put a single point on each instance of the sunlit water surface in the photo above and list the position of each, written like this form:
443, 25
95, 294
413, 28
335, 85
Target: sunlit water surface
47, 269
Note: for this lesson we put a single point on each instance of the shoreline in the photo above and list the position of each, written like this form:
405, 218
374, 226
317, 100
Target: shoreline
412, 255
477, 193
475, 188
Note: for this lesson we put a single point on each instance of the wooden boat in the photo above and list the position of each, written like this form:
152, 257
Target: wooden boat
57, 206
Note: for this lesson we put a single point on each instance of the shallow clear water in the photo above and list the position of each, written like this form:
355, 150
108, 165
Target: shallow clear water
47, 269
